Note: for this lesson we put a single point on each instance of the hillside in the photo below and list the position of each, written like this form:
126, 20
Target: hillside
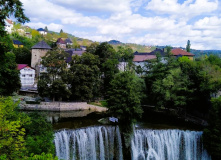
29, 37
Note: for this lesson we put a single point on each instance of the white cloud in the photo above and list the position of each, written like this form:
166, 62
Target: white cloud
45, 10
186, 10
208, 23
51, 26
96, 5
127, 26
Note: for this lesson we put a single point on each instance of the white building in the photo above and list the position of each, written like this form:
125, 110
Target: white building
27, 75
42, 31
8, 26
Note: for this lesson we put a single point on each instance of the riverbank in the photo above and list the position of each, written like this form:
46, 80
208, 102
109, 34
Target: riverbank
62, 106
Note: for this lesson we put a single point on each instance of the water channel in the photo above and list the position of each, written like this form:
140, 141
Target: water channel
79, 136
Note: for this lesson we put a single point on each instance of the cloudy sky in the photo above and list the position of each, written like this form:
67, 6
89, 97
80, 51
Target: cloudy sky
150, 22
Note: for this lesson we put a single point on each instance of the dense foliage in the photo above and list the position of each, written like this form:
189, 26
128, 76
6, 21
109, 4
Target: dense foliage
125, 94
84, 78
183, 84
9, 77
54, 83
39, 135
211, 135
23, 136
23, 55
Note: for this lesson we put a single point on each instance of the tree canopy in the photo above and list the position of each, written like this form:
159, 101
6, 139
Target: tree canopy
54, 83
125, 94
85, 77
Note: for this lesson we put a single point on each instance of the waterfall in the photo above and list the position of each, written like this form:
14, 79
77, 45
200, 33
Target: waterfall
167, 145
104, 143
92, 143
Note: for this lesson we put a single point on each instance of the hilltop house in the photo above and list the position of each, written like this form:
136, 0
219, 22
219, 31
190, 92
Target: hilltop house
27, 75
42, 31
8, 25
61, 43
17, 44
142, 58
68, 41
178, 52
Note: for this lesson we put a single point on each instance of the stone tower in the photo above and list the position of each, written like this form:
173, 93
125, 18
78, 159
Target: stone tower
39, 50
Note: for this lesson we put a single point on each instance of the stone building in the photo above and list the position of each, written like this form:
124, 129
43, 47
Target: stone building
39, 50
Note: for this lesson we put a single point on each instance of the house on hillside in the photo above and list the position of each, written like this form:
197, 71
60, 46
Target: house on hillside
178, 52
83, 48
42, 31
141, 58
17, 44
27, 75
68, 41
8, 25
73, 52
61, 43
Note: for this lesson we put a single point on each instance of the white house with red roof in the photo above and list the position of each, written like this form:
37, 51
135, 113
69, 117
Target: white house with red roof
8, 25
27, 75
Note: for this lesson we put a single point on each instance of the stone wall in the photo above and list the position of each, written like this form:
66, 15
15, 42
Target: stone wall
36, 55
62, 106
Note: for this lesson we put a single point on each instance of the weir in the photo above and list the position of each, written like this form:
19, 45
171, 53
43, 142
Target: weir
167, 145
92, 143
104, 143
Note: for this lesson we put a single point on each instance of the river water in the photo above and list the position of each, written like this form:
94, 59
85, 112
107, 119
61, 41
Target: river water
82, 137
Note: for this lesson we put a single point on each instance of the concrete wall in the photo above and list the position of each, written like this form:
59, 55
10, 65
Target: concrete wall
62, 106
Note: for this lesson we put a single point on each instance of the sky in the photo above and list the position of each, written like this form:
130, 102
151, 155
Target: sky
149, 22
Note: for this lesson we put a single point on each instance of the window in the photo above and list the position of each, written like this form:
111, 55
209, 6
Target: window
23, 75
30, 75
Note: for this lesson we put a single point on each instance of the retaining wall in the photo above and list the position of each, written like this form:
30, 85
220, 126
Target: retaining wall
62, 106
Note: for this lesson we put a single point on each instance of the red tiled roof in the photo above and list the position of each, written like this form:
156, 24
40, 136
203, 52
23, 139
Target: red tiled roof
21, 66
179, 51
141, 58
9, 21
60, 41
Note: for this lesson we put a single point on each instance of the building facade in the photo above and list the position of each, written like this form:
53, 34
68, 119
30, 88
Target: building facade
27, 75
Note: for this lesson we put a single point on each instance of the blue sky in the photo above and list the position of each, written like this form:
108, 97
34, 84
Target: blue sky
149, 22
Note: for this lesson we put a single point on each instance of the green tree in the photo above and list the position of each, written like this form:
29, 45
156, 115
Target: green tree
54, 83
39, 135
108, 64
211, 135
35, 33
12, 131
46, 28
9, 78
16, 26
125, 94
172, 91
85, 77
11, 8
188, 46
23, 55
9, 75
92, 48
125, 55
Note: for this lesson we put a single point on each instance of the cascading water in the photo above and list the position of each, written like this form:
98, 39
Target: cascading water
104, 143
167, 145
93, 143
